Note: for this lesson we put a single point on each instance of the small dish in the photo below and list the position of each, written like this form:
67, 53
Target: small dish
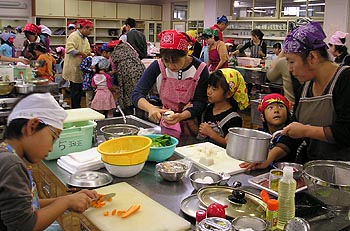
190, 205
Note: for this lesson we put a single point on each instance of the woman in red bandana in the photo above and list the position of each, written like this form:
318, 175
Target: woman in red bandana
77, 48
180, 79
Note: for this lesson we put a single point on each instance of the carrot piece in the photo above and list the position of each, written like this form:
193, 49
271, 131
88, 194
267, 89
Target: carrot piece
106, 213
110, 199
131, 210
114, 212
121, 212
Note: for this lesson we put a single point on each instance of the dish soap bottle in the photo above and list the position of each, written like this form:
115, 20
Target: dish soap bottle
286, 197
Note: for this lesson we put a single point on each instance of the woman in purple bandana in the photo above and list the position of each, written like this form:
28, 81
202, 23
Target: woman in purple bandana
322, 105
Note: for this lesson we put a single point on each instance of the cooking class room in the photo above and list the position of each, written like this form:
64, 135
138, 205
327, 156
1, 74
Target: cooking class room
152, 115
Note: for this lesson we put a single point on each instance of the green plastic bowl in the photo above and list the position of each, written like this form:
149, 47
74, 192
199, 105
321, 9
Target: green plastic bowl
160, 154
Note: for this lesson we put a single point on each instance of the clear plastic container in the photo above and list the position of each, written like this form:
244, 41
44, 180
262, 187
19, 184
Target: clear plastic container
286, 197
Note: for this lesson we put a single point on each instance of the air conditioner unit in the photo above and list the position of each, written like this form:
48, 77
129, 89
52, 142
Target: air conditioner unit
12, 5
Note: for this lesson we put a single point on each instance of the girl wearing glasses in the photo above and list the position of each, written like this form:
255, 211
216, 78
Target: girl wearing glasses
180, 79
32, 127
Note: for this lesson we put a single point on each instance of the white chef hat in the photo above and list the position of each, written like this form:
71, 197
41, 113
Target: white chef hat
42, 106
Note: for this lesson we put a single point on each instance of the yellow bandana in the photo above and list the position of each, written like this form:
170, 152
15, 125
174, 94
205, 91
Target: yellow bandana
237, 85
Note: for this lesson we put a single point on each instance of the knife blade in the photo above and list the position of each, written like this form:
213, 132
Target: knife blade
106, 197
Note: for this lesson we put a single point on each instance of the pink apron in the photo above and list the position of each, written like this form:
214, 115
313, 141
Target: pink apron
214, 59
175, 94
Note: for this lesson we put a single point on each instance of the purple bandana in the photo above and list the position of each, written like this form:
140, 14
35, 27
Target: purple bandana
305, 38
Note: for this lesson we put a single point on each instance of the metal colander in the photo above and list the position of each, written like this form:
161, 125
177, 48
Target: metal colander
329, 182
118, 130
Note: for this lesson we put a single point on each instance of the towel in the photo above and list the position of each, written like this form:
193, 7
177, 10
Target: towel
73, 170
81, 161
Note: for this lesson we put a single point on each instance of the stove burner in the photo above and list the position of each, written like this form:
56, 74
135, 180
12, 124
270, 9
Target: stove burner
7, 103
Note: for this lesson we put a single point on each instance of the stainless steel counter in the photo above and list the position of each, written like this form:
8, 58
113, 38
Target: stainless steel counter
170, 194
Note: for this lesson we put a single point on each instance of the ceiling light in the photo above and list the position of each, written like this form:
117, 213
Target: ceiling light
236, 3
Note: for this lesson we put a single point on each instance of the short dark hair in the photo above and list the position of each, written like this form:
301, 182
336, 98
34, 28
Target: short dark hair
277, 46
172, 55
257, 32
322, 51
37, 46
130, 22
339, 48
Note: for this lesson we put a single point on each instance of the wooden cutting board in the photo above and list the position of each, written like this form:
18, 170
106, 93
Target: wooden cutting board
222, 162
151, 217
82, 114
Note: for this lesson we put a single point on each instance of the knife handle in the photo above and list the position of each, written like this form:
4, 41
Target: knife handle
73, 190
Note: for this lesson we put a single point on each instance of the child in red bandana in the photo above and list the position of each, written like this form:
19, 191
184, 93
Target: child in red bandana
275, 114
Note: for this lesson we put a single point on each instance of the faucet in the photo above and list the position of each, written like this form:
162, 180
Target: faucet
122, 113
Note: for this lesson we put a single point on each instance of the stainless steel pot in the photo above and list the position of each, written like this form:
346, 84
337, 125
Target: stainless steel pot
248, 144
25, 88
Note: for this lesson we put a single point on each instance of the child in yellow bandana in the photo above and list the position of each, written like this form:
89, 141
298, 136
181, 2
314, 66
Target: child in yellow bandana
226, 93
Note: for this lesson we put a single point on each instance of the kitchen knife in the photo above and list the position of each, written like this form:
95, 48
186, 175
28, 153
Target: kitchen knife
106, 197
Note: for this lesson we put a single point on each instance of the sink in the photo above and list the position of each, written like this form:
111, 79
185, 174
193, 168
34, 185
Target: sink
130, 119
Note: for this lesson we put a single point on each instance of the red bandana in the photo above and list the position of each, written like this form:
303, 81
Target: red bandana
172, 39
85, 23
273, 98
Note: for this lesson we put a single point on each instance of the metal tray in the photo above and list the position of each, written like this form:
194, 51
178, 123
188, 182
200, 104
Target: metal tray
219, 194
89, 179
262, 182
190, 205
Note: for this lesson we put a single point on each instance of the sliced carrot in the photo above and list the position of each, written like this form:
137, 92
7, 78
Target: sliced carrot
114, 212
106, 213
110, 199
131, 210
121, 212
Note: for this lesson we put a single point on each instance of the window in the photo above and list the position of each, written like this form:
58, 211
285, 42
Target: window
180, 11
243, 9
265, 8
303, 8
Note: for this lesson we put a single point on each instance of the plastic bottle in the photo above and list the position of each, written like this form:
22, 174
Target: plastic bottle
272, 213
200, 215
286, 197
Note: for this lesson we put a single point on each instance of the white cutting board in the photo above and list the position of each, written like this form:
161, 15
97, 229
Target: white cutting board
82, 114
222, 162
151, 217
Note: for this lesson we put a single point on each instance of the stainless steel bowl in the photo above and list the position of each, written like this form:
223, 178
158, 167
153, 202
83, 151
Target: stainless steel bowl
201, 175
329, 182
171, 170
297, 168
25, 88
118, 130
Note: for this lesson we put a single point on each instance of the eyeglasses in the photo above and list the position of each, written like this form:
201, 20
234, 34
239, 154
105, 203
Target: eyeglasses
54, 133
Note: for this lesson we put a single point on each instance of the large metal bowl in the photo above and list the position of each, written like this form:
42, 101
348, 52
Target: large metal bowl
6, 87
329, 182
200, 175
118, 130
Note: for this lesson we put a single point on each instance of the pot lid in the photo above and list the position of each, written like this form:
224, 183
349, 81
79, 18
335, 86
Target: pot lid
89, 179
254, 206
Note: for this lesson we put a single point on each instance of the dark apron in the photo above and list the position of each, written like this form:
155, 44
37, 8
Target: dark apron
319, 111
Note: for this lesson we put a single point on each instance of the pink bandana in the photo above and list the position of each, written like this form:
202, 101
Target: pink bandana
335, 39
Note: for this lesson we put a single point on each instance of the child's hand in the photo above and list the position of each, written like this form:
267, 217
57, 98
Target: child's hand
155, 114
189, 105
252, 166
206, 130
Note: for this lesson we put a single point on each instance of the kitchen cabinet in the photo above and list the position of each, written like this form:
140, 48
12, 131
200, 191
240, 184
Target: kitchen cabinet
49, 186
49, 7
274, 30
152, 30
196, 10
104, 10
58, 28
125, 10
196, 25
106, 29
78, 8
151, 12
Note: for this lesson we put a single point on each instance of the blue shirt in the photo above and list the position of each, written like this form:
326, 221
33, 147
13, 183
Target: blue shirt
6, 50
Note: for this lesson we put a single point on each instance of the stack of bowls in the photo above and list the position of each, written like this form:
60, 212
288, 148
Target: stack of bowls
125, 156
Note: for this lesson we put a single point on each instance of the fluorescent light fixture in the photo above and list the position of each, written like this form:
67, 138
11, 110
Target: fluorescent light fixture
258, 11
265, 7
235, 3
314, 4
